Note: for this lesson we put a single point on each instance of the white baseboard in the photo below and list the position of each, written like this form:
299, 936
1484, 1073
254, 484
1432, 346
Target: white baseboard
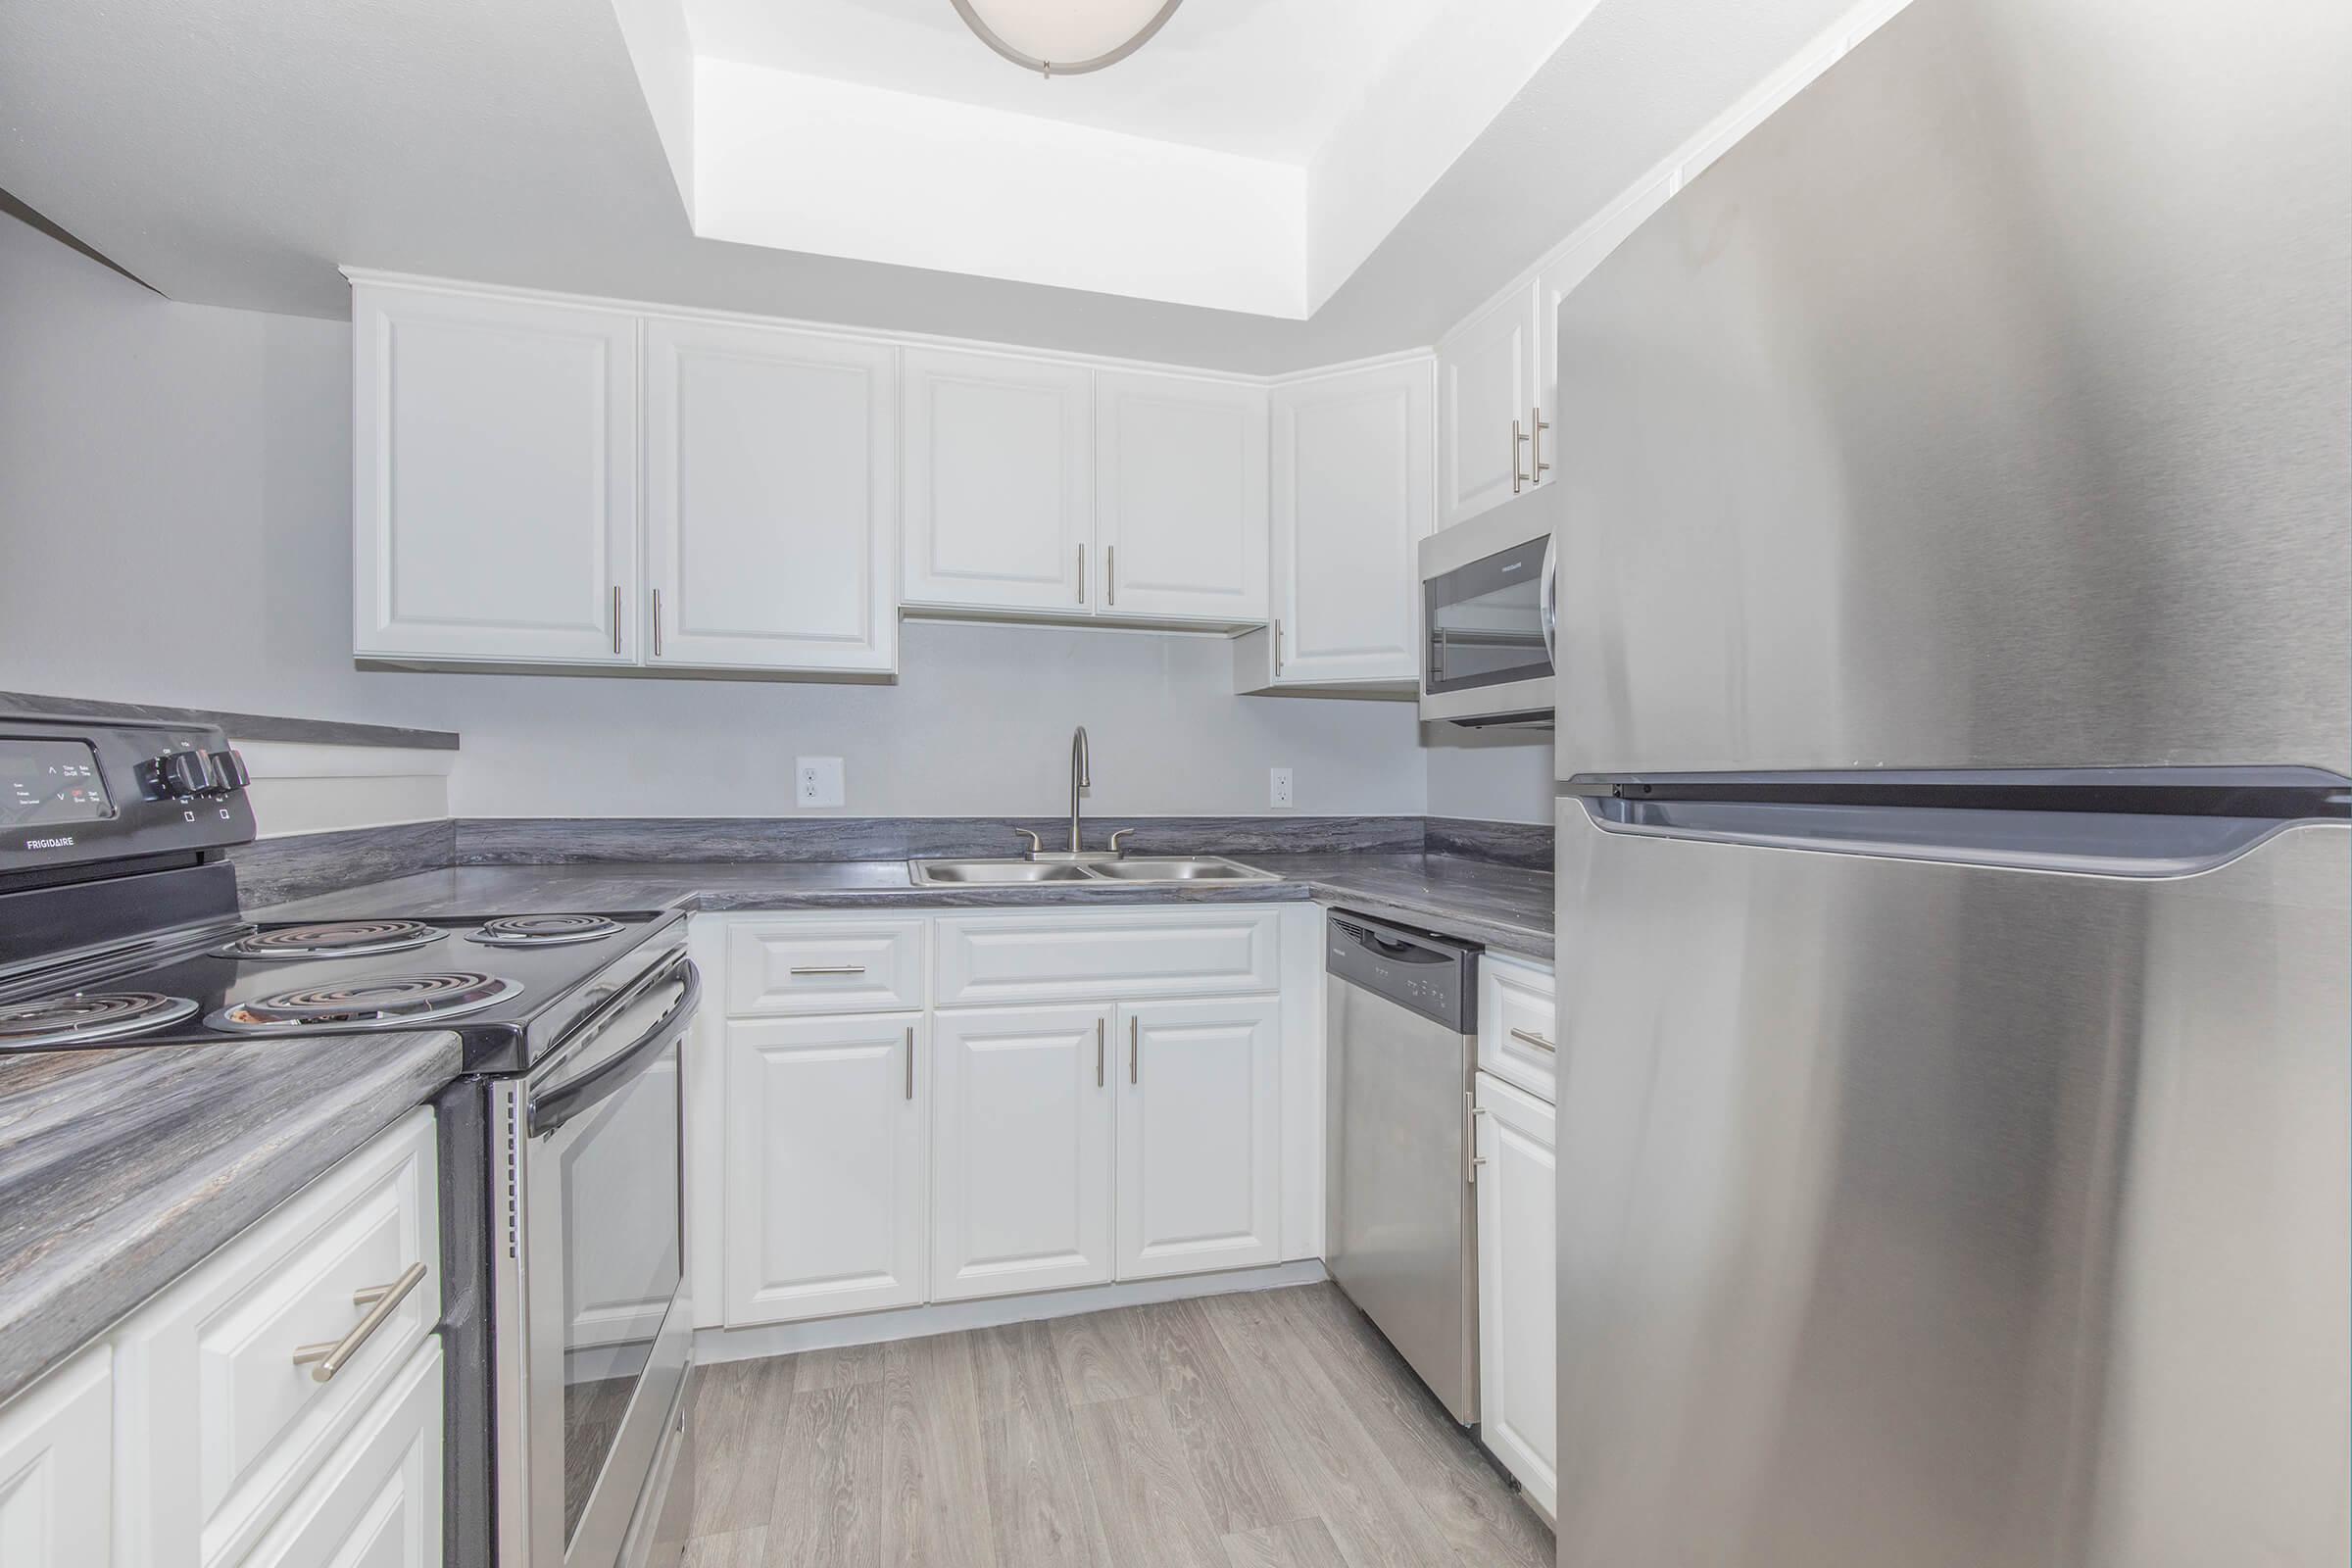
949, 1317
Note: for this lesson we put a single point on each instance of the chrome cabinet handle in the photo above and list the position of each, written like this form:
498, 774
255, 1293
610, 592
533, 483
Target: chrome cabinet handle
381, 1302
1533, 1039
1471, 1159
657, 623
1098, 1053
1518, 439
1135, 1046
1082, 574
910, 1062
1535, 449
1110, 574
829, 969
616, 617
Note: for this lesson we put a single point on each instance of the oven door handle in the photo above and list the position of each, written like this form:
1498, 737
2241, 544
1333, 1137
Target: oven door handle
556, 1106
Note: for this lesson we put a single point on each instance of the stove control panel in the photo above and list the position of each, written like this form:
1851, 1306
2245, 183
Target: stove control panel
85, 793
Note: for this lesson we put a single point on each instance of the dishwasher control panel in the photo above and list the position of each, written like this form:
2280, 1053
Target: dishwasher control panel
1430, 975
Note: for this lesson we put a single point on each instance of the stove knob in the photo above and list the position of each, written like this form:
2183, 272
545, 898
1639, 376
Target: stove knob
186, 773
228, 771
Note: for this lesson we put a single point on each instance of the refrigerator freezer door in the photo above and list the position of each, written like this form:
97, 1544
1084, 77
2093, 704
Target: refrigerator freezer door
1985, 407
1951, 1216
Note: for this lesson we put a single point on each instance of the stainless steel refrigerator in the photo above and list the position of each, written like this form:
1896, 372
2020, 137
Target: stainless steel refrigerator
1954, 722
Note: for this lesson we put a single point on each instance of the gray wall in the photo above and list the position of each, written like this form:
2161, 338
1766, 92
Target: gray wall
174, 528
1500, 777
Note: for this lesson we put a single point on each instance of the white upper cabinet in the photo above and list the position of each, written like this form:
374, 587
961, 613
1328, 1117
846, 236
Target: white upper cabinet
1353, 500
1021, 1139
1564, 271
1199, 1141
494, 451
771, 499
999, 476
1180, 499
1485, 408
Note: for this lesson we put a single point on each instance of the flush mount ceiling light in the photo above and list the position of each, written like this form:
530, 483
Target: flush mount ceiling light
1065, 37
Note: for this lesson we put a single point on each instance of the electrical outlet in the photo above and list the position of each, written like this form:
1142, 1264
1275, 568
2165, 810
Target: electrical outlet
818, 781
1279, 796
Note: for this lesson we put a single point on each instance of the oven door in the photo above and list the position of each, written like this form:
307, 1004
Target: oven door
593, 1331
1486, 617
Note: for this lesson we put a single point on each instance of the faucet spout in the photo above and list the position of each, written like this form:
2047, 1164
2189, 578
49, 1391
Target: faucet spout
1081, 777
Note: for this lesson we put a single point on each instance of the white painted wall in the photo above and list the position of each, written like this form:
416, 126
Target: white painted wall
1494, 775
174, 528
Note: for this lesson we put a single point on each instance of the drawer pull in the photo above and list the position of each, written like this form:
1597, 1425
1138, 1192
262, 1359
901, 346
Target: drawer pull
829, 969
381, 1302
1532, 1038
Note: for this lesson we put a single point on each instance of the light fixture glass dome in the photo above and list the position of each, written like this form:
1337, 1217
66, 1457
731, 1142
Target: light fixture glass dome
1065, 37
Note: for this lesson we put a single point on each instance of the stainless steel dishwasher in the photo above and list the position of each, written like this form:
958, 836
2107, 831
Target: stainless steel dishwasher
1402, 1238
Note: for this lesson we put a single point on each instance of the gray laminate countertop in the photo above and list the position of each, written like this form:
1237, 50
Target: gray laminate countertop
121, 1168
1506, 907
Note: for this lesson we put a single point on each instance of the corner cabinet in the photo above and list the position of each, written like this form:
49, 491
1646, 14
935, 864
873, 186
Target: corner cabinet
494, 479
1353, 500
544, 483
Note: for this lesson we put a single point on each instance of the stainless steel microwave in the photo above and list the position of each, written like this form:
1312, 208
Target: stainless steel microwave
1486, 610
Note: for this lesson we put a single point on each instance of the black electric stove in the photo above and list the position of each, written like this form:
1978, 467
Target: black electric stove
119, 921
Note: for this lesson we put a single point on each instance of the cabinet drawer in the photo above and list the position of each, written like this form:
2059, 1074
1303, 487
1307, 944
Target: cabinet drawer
824, 964
1099, 957
1515, 1027
222, 1424
379, 1496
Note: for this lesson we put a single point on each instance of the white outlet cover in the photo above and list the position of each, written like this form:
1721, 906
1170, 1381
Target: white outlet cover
1279, 796
817, 782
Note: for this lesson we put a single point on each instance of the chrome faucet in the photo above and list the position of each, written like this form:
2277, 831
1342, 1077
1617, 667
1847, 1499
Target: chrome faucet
1081, 777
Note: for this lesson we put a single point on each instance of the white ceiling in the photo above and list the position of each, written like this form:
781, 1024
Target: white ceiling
234, 152
1260, 79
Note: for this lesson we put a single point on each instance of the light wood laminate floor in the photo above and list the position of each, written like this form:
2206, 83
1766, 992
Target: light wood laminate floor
1273, 1429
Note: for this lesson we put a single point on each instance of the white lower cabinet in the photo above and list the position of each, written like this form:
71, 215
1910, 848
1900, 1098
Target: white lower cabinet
1199, 1148
1096, 1120
1021, 1148
827, 1160
378, 1500
1517, 1287
197, 1433
57, 1467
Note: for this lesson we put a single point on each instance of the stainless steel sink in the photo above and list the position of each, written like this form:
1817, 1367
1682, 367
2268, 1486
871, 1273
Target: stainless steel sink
1142, 868
934, 874
1179, 868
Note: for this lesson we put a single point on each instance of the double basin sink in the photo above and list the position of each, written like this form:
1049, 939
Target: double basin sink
1133, 868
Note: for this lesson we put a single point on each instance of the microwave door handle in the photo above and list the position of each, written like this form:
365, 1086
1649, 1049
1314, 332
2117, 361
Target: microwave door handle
556, 1106
1548, 600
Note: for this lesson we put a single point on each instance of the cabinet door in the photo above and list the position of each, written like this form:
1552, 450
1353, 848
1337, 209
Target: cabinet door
378, 1500
771, 501
828, 1153
57, 1467
1558, 279
1179, 498
1199, 1136
494, 477
1486, 380
1021, 1175
999, 481
1517, 1327
1353, 500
